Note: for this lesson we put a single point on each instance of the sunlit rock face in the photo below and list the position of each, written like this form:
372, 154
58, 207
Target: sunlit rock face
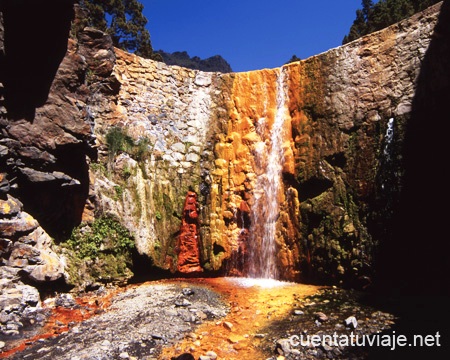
241, 180
210, 133
210, 136
333, 208
175, 112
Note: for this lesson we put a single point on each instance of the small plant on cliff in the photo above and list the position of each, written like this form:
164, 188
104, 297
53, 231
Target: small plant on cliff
140, 151
98, 167
119, 192
117, 140
126, 173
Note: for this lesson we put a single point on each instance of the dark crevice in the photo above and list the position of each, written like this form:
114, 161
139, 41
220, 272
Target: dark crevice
312, 220
218, 249
144, 269
58, 205
313, 187
47, 288
412, 265
338, 160
35, 42
413, 257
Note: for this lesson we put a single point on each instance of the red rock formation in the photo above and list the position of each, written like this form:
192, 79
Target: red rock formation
188, 250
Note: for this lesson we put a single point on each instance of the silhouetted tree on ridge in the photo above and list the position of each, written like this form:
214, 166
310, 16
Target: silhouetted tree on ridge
124, 21
376, 16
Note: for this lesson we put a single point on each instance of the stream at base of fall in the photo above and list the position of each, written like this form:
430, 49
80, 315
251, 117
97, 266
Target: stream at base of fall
252, 317
254, 304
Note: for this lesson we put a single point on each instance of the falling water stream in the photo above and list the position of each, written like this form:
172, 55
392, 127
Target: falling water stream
388, 138
387, 155
265, 210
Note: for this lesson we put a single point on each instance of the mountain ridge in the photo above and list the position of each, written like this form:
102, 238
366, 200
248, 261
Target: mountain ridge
215, 63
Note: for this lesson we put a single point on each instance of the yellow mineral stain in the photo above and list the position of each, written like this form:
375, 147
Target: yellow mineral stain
6, 208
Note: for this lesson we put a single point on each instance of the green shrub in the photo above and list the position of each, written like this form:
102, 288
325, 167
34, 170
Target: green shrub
104, 235
140, 151
119, 192
117, 140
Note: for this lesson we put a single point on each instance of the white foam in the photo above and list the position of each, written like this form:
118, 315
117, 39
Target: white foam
263, 283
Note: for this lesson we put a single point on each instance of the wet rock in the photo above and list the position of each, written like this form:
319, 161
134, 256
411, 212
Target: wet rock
228, 325
65, 300
187, 291
212, 355
351, 322
10, 207
185, 356
283, 347
321, 317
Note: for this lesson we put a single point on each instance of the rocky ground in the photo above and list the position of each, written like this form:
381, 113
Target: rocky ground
200, 319
138, 323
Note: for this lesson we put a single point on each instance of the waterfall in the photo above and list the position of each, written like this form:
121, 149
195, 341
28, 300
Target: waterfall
387, 150
388, 138
269, 156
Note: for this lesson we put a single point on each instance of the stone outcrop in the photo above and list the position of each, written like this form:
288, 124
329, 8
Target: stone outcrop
46, 142
185, 132
188, 241
25, 246
26, 257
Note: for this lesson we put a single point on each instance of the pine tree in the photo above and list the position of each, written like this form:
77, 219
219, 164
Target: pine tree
294, 58
373, 17
125, 22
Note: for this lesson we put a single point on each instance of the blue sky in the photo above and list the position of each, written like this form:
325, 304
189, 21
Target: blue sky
249, 34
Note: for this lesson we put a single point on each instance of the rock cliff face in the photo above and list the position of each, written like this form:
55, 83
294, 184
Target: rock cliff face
145, 143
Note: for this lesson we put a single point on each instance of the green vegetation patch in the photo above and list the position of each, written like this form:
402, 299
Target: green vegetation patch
100, 252
118, 141
104, 235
